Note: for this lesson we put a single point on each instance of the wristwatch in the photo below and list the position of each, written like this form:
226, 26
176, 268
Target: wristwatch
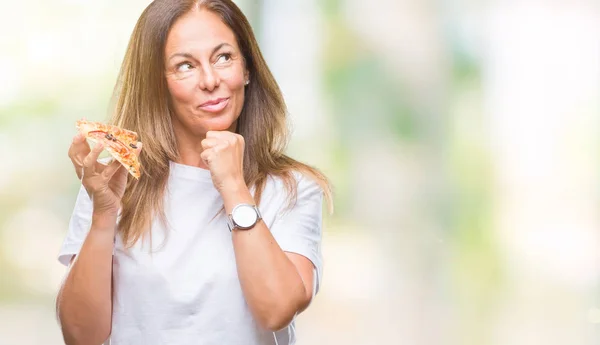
243, 217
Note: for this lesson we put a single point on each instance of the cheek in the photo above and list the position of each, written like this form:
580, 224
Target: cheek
234, 79
182, 90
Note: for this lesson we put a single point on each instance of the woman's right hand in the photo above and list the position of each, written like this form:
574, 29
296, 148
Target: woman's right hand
105, 184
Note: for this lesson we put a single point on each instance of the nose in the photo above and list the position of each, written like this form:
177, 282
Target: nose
209, 79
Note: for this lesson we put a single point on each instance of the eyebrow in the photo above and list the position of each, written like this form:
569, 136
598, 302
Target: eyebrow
189, 56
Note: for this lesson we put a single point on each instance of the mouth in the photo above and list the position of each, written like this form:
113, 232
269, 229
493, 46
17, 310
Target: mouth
215, 105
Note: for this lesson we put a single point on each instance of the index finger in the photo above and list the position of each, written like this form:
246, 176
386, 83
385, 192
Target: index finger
216, 134
230, 137
90, 160
79, 148
77, 151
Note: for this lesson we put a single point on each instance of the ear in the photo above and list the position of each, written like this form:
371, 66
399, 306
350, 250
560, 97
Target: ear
246, 76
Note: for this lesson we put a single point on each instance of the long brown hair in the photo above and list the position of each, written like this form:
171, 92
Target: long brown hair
142, 105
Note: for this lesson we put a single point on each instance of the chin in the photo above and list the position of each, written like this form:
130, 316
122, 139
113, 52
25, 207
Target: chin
220, 123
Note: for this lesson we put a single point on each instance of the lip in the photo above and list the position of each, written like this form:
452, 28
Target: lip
214, 105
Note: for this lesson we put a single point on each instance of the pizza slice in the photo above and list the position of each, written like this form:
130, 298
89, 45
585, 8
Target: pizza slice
120, 143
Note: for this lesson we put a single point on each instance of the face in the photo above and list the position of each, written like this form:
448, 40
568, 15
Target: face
205, 73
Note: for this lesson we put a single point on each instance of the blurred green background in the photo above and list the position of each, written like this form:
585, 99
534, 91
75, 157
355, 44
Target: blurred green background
461, 138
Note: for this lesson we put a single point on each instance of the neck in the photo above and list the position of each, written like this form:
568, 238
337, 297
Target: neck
189, 146
191, 157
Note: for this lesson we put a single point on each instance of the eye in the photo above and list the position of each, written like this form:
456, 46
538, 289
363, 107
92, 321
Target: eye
184, 67
223, 58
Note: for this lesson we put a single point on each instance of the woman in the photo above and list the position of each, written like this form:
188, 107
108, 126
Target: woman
219, 240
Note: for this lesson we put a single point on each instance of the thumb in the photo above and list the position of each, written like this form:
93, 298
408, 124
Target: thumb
112, 169
138, 150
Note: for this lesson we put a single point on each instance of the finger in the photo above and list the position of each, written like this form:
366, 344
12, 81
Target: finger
229, 137
207, 155
78, 138
208, 143
210, 155
90, 160
226, 135
220, 147
216, 134
139, 147
211, 134
79, 149
111, 169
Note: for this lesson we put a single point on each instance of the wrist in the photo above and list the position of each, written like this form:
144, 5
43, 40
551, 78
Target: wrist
104, 220
234, 194
232, 186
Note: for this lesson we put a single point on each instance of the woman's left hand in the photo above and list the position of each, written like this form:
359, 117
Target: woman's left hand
223, 153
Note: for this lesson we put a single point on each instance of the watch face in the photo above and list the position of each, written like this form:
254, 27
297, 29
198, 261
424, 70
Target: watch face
244, 216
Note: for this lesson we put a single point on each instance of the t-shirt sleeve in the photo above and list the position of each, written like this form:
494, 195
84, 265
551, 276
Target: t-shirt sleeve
299, 229
79, 226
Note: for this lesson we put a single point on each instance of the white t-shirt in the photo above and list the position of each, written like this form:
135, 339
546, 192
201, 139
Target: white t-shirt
187, 290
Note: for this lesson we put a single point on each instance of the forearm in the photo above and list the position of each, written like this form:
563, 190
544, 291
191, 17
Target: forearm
84, 302
272, 286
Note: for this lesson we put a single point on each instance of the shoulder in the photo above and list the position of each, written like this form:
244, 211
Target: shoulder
295, 183
291, 190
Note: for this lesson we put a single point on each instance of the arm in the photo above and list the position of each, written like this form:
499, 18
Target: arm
277, 285
84, 302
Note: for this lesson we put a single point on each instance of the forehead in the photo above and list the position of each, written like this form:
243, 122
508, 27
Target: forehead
198, 31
